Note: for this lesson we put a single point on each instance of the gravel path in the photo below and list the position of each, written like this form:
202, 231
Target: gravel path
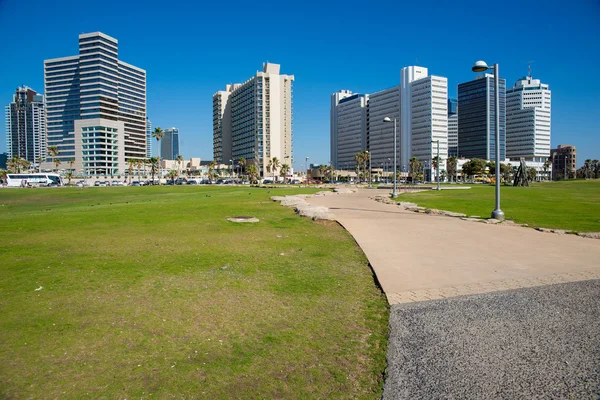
534, 343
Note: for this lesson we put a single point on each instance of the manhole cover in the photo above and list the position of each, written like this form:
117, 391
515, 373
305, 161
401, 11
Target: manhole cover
242, 219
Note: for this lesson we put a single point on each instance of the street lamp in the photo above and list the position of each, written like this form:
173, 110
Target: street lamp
369, 154
307, 168
388, 119
437, 170
231, 161
481, 66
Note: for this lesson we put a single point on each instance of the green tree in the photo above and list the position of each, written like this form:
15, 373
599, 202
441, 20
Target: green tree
507, 172
153, 163
211, 168
53, 152
131, 163
285, 169
275, 164
435, 163
71, 162
158, 134
414, 166
179, 162
451, 163
69, 176
173, 174
57, 163
547, 165
531, 174
252, 172
241, 162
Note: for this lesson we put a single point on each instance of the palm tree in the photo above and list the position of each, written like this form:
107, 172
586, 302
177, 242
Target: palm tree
252, 172
322, 171
211, 168
69, 175
284, 170
361, 159
241, 162
71, 162
415, 167
53, 152
269, 165
275, 164
451, 163
596, 168
179, 162
40, 160
173, 174
153, 162
435, 163
547, 165
57, 163
158, 134
131, 162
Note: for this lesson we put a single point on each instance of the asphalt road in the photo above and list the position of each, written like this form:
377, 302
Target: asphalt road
534, 343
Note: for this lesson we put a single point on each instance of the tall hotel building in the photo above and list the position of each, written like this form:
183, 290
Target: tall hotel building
476, 123
96, 106
528, 108
26, 126
253, 120
418, 103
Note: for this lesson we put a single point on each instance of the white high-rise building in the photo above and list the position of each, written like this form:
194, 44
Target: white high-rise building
429, 121
351, 129
96, 107
528, 114
260, 116
380, 139
333, 119
407, 76
26, 126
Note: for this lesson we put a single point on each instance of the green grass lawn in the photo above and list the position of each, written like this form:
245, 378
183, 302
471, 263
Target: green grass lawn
151, 292
572, 205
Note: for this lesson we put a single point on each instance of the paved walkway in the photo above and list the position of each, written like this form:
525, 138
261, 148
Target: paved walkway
420, 257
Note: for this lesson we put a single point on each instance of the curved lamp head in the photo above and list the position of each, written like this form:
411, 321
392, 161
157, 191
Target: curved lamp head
387, 119
480, 66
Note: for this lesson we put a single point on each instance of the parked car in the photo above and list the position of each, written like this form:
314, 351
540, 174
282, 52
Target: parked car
97, 183
192, 182
81, 183
135, 183
104, 183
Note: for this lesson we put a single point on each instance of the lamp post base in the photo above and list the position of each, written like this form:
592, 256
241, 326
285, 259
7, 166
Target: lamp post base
394, 195
498, 214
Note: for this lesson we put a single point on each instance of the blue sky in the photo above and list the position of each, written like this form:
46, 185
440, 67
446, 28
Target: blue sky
192, 49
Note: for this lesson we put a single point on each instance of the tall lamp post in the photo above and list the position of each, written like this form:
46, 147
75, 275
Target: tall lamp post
232, 174
437, 169
388, 119
307, 168
481, 66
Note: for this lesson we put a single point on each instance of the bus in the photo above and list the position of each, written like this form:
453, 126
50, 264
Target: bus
33, 180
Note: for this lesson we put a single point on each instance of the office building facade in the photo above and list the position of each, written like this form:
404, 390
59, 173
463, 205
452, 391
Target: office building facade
256, 118
476, 122
564, 161
148, 138
333, 129
106, 96
452, 127
169, 144
26, 126
528, 114
418, 104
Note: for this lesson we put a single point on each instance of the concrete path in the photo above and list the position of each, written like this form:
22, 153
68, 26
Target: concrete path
480, 311
420, 257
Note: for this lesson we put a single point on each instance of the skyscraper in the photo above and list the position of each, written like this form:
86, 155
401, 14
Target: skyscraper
259, 112
476, 122
418, 103
169, 145
26, 126
528, 108
452, 127
333, 128
96, 106
148, 138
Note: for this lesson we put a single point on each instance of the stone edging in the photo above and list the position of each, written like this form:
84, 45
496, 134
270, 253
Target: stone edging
432, 211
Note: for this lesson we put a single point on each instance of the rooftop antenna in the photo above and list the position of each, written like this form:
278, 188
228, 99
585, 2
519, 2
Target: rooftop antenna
529, 67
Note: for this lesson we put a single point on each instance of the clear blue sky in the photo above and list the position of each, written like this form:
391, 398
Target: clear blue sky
192, 49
